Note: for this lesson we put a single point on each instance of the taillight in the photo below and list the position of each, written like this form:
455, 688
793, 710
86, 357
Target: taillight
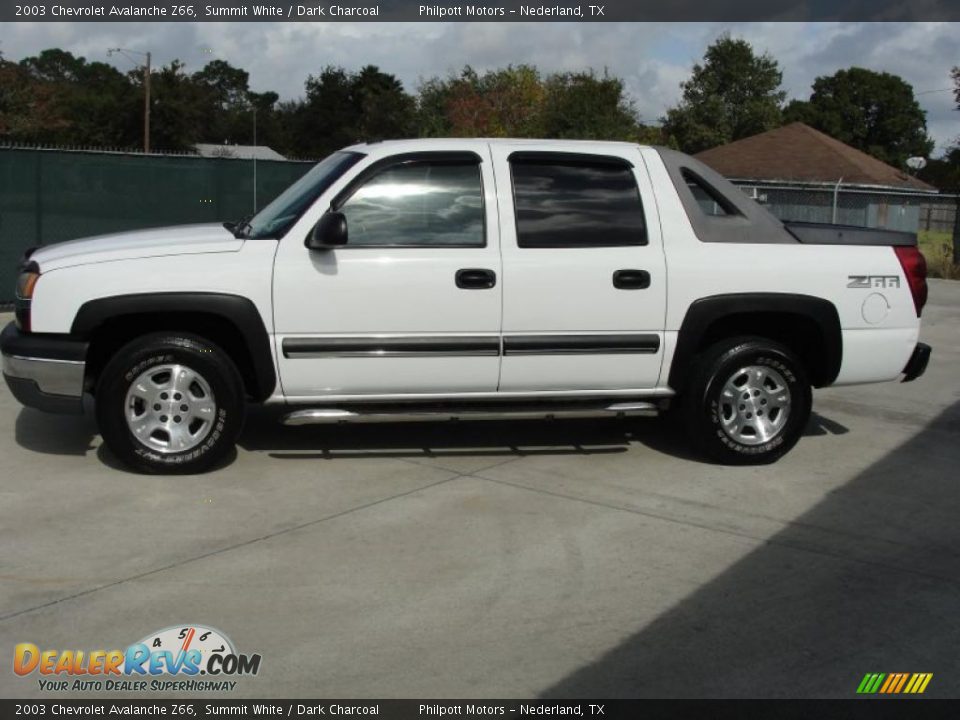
915, 268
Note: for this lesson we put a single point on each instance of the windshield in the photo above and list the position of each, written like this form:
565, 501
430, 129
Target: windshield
279, 216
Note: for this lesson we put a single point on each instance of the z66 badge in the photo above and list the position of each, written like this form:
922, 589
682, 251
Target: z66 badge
873, 281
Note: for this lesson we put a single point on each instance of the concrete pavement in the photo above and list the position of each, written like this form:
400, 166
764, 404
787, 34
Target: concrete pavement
592, 559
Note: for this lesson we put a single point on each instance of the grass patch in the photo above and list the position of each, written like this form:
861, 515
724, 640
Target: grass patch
937, 249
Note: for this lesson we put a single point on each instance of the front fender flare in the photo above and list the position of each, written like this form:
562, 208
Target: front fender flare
235, 309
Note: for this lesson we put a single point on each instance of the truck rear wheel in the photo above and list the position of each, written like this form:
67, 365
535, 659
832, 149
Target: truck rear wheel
170, 403
748, 401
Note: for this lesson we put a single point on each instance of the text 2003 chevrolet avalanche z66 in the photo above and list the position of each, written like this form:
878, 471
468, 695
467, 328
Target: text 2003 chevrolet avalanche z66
431, 279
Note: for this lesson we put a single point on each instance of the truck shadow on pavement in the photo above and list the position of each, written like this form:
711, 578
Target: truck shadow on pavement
74, 435
264, 433
507, 438
867, 580
55, 434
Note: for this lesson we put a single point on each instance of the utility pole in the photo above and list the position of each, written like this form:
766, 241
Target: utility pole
254, 159
146, 88
956, 228
146, 106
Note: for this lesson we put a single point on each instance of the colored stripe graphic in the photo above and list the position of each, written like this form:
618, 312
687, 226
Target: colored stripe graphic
903, 679
892, 680
870, 683
894, 683
918, 683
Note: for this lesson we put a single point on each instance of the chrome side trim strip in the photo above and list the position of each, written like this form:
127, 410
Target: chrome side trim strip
580, 344
54, 377
468, 345
392, 346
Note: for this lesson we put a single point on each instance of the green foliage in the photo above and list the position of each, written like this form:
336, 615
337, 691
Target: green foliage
26, 114
517, 102
58, 98
937, 250
177, 108
342, 108
500, 103
735, 93
873, 111
943, 173
224, 96
582, 105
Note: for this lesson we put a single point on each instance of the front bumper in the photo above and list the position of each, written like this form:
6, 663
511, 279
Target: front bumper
917, 364
44, 371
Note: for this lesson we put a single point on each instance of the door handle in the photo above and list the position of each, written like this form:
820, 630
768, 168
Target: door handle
476, 279
631, 279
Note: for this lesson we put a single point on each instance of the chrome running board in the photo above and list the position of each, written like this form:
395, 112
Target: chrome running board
400, 413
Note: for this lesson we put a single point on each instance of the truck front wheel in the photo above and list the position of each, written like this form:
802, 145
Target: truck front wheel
170, 403
748, 401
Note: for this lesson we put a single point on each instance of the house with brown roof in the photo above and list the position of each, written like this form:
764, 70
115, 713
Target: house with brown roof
803, 174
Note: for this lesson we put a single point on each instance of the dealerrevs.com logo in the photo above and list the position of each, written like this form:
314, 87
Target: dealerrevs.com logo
178, 658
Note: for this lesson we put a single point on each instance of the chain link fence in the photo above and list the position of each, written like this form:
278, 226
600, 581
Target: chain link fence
51, 195
934, 217
862, 207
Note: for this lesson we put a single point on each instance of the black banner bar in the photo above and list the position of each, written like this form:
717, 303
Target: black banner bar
868, 709
482, 11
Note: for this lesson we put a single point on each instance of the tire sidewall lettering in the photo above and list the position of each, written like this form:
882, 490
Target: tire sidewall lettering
713, 404
226, 418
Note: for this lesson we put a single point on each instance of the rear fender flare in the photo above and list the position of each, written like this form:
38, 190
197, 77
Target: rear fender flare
705, 312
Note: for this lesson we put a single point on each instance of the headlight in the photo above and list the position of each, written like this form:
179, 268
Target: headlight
26, 282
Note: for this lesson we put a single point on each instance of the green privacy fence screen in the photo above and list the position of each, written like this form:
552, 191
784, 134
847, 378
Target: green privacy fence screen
48, 196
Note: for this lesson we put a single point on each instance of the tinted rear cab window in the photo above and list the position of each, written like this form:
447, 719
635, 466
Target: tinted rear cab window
576, 201
710, 200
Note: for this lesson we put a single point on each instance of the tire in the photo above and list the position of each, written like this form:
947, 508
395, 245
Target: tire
748, 401
170, 403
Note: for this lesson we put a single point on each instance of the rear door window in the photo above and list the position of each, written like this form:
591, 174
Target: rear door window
576, 201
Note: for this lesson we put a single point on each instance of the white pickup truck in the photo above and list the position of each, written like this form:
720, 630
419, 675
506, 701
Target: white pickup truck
469, 279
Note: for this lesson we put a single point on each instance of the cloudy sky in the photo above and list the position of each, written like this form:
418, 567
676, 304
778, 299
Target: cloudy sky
652, 58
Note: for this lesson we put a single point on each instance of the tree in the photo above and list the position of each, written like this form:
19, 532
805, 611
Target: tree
384, 109
28, 110
584, 106
227, 87
58, 98
955, 74
177, 107
229, 106
943, 173
735, 93
343, 107
517, 102
499, 103
91, 102
873, 111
